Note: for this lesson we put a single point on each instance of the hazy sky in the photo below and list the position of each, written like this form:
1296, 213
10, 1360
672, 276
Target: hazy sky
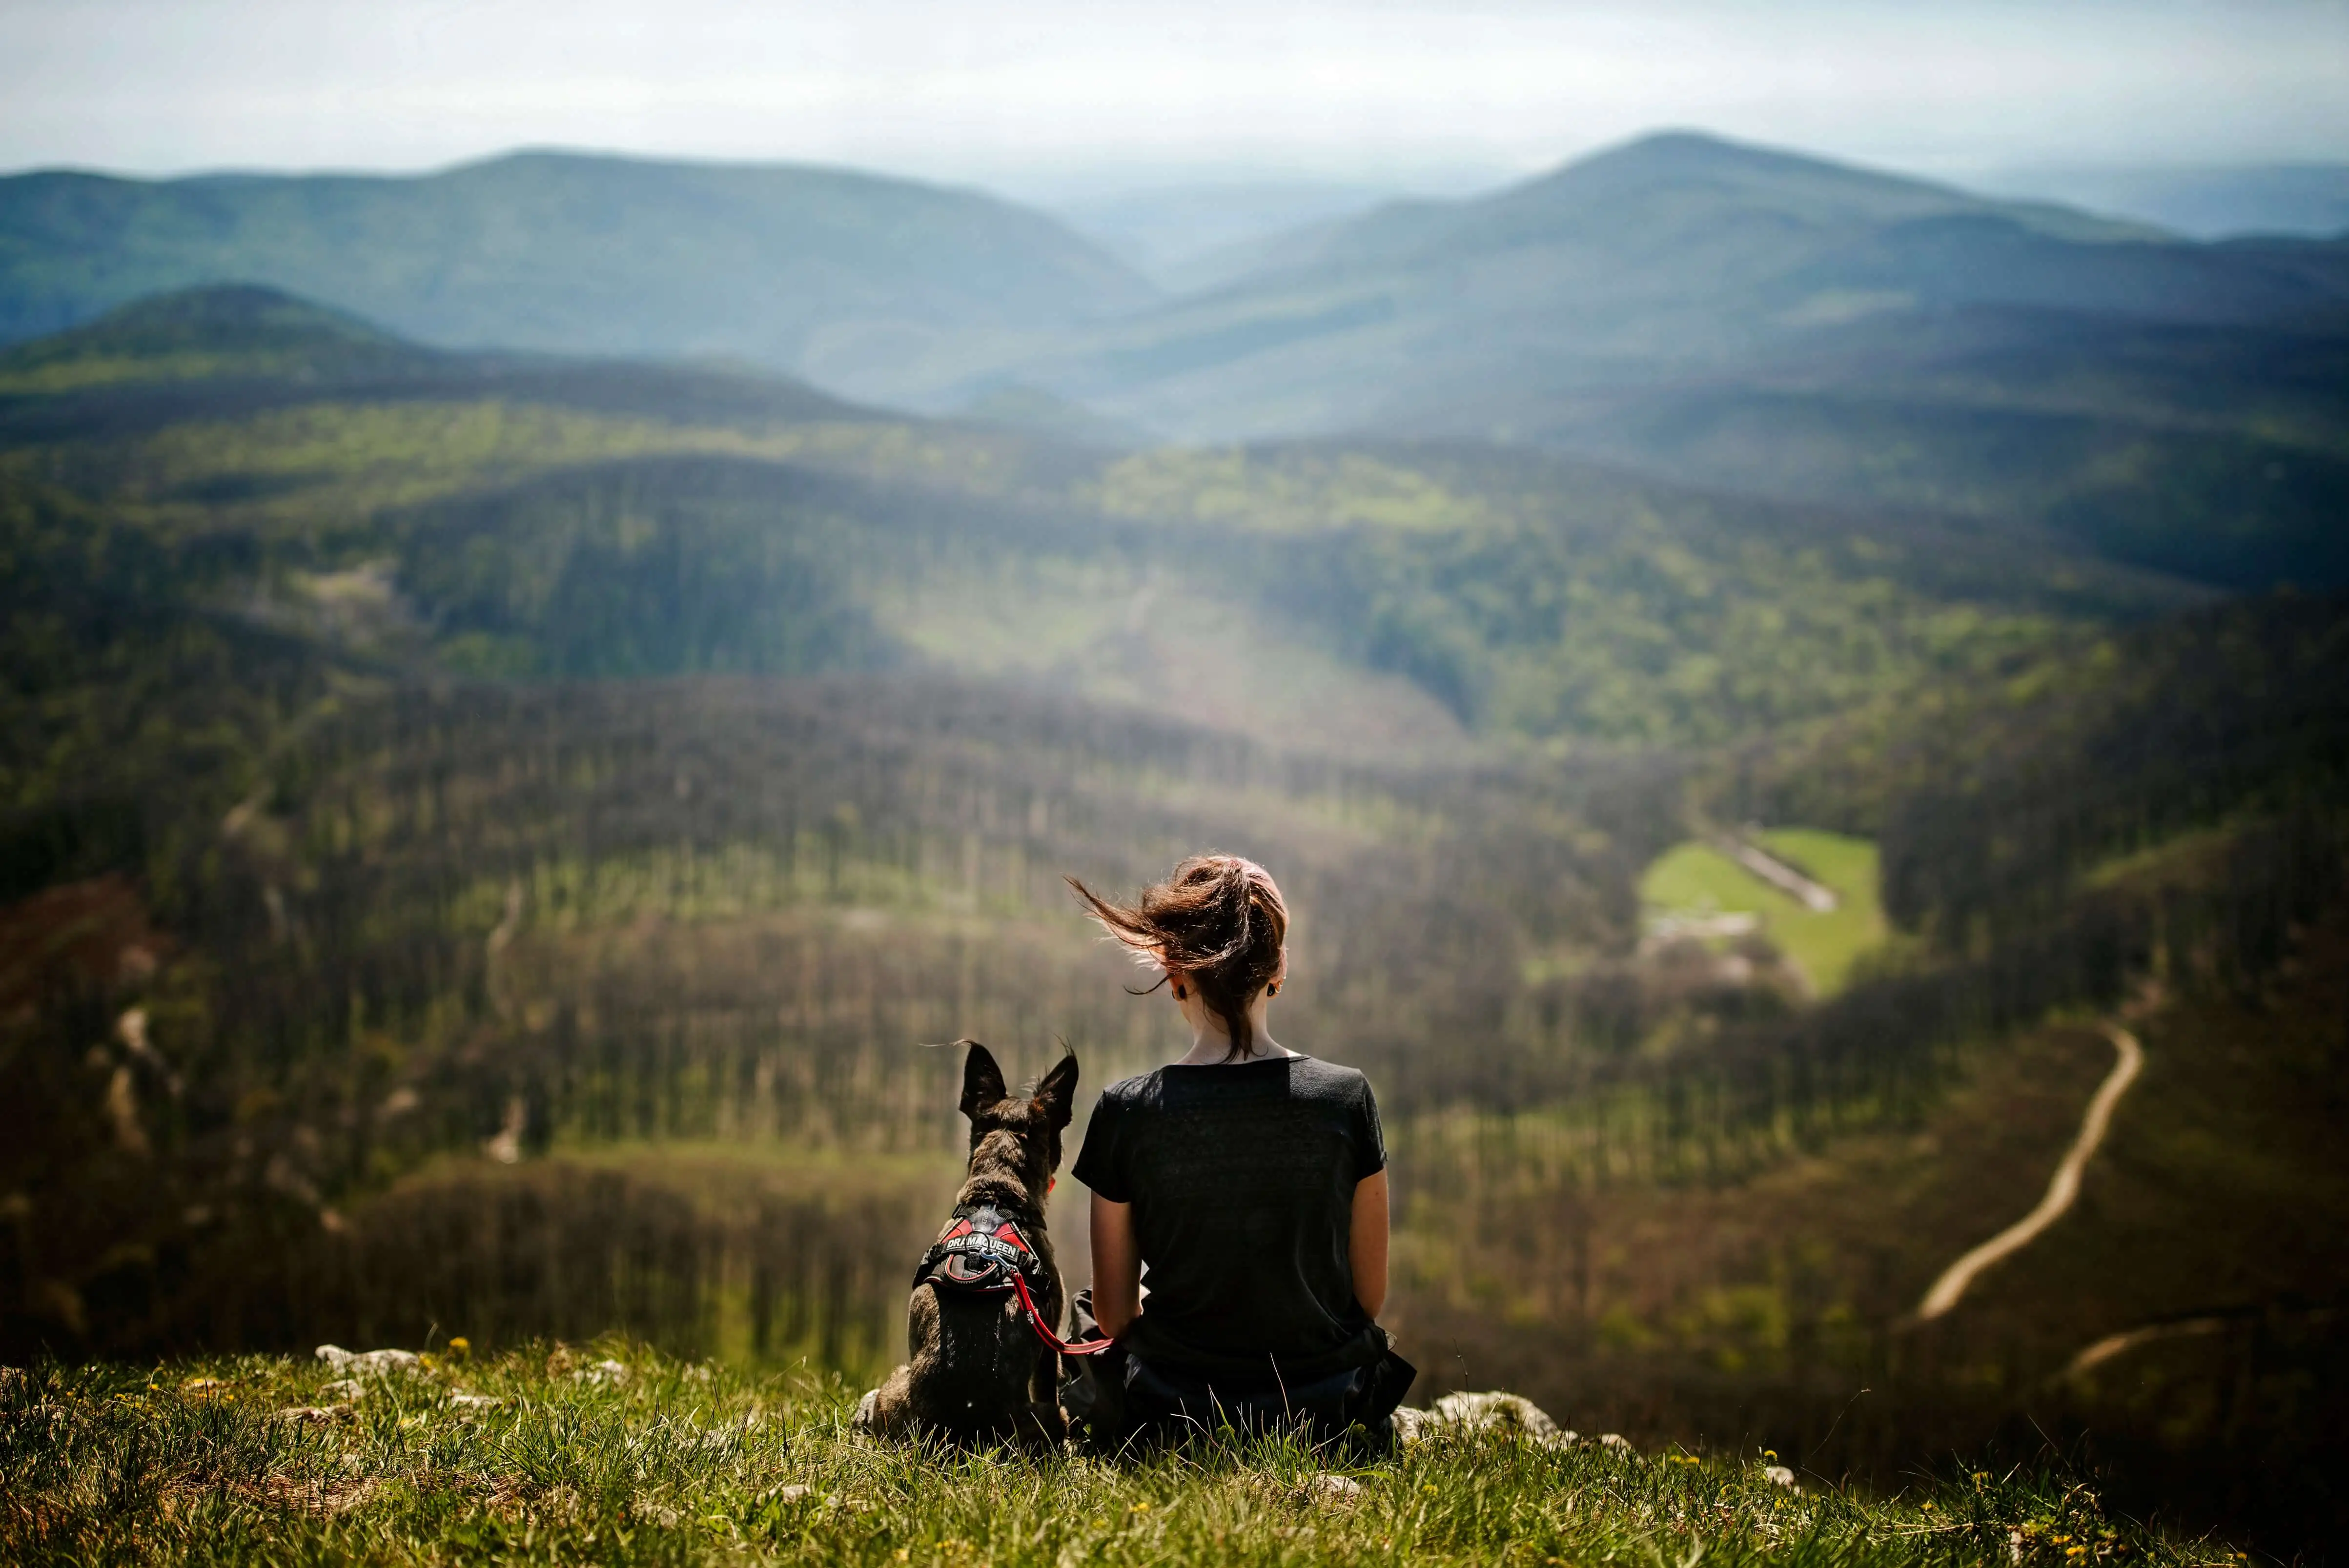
1035, 91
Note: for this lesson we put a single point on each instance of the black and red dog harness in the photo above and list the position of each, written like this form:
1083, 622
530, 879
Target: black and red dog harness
982, 1251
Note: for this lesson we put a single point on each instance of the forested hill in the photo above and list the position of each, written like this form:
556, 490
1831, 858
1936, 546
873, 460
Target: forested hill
226, 333
2210, 450
231, 351
821, 271
493, 514
2153, 755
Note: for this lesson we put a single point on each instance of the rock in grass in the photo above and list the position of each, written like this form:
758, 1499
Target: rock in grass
378, 1361
1479, 1412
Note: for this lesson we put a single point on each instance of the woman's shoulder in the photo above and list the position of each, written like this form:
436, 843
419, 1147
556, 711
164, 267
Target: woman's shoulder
1316, 1076
1138, 1089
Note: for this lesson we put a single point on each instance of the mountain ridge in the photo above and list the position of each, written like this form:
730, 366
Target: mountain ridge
1399, 225
1670, 251
1613, 307
810, 270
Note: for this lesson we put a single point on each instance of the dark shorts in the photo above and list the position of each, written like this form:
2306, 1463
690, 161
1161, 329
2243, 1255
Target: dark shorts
1117, 1400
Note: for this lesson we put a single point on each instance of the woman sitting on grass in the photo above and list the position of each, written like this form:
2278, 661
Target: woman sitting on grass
1251, 1182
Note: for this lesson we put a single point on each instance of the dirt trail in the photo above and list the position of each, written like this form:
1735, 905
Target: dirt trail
2116, 1344
2061, 1192
1814, 896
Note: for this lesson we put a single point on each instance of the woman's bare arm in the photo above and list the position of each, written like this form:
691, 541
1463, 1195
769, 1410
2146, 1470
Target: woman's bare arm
1366, 1242
1117, 1265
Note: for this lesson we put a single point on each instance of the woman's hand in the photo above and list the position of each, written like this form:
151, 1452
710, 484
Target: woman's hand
1366, 1243
1117, 1263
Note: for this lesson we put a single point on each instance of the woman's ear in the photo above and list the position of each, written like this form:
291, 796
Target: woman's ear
1057, 1094
982, 1080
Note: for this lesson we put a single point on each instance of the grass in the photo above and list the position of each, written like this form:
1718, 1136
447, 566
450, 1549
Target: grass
1696, 877
613, 1455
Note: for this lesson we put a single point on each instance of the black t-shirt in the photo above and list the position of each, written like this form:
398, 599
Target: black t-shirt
1242, 1181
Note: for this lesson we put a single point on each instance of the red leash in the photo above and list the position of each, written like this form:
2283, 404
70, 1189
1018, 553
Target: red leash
1036, 1322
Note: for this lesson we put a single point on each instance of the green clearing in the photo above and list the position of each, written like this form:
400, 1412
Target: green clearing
1695, 879
611, 1454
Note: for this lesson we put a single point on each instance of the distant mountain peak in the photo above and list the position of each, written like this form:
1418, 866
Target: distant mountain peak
1668, 155
1801, 183
1698, 145
1673, 194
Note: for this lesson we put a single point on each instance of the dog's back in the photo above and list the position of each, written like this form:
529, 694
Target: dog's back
976, 1372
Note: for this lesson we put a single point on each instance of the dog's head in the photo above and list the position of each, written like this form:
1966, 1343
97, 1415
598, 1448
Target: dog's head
1015, 1135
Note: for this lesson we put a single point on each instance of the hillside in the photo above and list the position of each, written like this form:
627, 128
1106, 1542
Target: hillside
849, 279
2219, 453
464, 510
610, 1453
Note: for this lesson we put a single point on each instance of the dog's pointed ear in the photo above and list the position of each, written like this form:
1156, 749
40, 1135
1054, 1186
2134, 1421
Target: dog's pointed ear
982, 1080
1057, 1093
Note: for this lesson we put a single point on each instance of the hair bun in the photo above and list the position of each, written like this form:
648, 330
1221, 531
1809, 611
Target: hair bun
1201, 920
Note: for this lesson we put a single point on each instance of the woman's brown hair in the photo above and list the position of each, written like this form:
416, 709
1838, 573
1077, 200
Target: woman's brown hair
1219, 920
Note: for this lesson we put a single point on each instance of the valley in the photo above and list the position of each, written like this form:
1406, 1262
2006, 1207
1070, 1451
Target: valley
494, 829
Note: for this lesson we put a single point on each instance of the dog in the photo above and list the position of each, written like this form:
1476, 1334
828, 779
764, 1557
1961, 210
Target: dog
976, 1371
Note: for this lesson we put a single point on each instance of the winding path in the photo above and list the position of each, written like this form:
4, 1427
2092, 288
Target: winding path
2061, 1192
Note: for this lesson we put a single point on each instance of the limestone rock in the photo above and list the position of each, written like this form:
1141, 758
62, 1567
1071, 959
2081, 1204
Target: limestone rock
1506, 1412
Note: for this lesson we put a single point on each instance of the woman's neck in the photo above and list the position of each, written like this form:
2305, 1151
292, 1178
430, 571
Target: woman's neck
1212, 1047
1211, 1036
